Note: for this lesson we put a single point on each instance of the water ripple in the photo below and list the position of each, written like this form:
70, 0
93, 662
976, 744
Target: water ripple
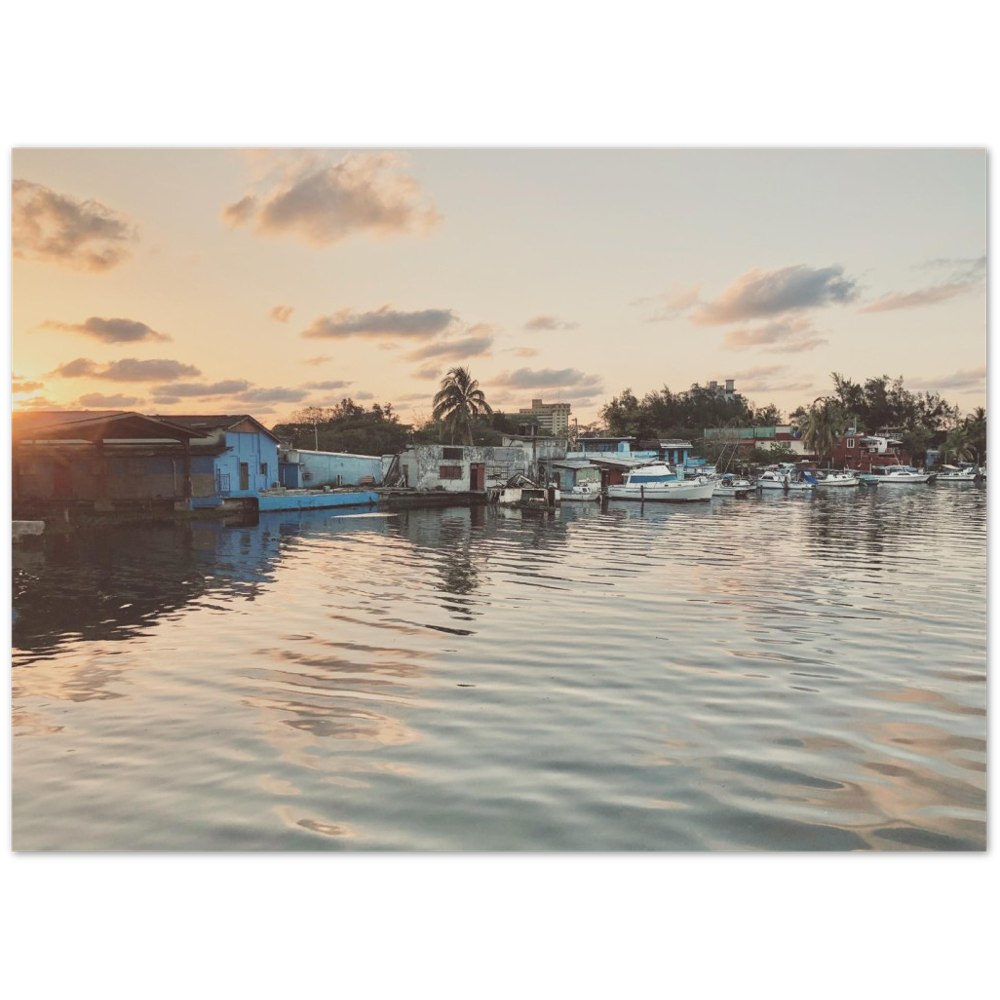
780, 673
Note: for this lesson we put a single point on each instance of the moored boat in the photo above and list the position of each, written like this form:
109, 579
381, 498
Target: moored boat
729, 485
900, 475
658, 482
786, 479
583, 491
953, 474
830, 479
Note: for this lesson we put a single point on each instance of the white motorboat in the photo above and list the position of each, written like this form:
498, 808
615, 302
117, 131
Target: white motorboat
900, 475
953, 474
785, 479
657, 482
846, 478
583, 491
729, 485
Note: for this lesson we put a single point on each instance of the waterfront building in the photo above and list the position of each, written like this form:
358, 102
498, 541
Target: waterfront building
744, 439
300, 468
104, 459
860, 451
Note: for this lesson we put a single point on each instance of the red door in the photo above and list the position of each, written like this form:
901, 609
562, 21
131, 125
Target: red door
477, 476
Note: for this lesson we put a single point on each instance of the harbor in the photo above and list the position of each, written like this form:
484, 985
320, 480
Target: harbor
616, 676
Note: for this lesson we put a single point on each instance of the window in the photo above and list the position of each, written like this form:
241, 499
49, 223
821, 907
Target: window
454, 453
263, 469
850, 442
450, 471
499, 472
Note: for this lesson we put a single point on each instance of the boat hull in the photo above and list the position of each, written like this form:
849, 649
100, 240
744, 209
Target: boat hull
673, 492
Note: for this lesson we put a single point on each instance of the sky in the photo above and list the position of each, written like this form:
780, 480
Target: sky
211, 280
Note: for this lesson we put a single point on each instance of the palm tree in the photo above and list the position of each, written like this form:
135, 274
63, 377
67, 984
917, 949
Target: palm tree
823, 427
957, 443
975, 425
458, 401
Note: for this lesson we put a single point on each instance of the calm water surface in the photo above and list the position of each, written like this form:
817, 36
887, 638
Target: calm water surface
782, 673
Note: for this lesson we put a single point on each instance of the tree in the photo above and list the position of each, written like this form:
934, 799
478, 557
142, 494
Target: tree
975, 424
957, 444
346, 427
823, 426
459, 401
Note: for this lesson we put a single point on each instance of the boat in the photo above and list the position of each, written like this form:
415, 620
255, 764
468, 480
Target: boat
845, 478
900, 475
658, 482
786, 479
583, 491
953, 474
520, 491
729, 485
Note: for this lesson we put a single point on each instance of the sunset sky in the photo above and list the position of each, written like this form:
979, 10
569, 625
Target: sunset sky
217, 280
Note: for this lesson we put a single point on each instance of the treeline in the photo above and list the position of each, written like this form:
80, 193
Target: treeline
682, 414
351, 428
921, 420
346, 427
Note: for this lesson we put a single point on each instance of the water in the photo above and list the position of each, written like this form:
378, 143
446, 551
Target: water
782, 673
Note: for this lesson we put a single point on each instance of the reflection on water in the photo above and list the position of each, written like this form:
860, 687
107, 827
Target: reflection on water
782, 673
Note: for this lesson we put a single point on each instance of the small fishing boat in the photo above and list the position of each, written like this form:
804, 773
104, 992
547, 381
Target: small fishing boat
583, 491
786, 479
729, 485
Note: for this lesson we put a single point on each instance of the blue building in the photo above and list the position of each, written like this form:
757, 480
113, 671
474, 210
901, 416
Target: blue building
238, 450
304, 469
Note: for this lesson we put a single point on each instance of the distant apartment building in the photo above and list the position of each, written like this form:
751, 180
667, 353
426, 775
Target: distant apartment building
552, 418
728, 391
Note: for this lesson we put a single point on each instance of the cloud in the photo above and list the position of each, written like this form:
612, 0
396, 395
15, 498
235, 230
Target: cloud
429, 372
758, 294
967, 273
523, 352
278, 394
317, 361
58, 229
456, 350
324, 203
281, 313
98, 401
671, 303
19, 385
911, 300
110, 331
546, 322
771, 378
789, 335
126, 370
229, 387
570, 382
384, 322
962, 268
325, 385
968, 379
39, 403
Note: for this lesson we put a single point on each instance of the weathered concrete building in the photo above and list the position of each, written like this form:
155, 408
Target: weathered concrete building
464, 468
